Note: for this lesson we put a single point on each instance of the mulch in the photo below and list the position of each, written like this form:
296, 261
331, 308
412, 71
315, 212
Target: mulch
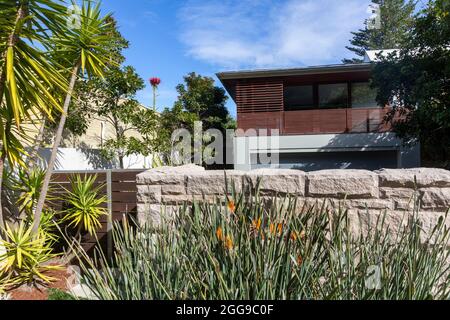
39, 292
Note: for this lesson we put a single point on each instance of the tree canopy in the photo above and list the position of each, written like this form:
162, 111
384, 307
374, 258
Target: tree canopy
415, 81
199, 99
396, 17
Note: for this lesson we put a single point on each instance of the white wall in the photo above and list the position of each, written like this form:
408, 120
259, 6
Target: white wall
89, 159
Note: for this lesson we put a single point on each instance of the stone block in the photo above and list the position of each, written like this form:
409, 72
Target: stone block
278, 181
396, 193
213, 182
148, 193
404, 178
342, 183
167, 175
435, 198
176, 189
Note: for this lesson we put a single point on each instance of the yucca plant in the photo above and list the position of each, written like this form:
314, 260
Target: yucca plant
48, 227
26, 255
27, 184
6, 281
247, 247
29, 81
83, 50
85, 204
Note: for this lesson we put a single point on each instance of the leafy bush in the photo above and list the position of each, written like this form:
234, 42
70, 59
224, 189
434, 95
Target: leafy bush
56, 294
48, 226
5, 283
28, 183
25, 256
84, 204
255, 249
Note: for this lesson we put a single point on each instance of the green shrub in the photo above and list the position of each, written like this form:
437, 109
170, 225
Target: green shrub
27, 184
26, 256
255, 249
57, 294
84, 204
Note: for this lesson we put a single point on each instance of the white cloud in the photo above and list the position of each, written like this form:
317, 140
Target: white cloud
250, 33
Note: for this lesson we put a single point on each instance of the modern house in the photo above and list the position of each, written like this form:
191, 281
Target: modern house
324, 117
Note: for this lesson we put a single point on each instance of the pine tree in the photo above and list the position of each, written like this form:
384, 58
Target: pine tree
396, 19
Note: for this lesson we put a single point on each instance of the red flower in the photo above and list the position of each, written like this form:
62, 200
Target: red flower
155, 82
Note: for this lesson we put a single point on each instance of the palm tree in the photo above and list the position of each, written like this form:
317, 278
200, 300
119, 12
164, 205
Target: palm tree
83, 49
27, 79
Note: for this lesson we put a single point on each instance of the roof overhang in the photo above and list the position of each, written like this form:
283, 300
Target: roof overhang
265, 73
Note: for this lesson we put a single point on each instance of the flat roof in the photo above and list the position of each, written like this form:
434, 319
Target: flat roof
260, 73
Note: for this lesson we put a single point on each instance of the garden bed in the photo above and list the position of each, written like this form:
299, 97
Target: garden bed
39, 292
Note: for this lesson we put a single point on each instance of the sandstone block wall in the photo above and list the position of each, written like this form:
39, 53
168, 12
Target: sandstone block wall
365, 194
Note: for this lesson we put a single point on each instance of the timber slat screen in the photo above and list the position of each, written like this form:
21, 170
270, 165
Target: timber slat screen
123, 198
259, 96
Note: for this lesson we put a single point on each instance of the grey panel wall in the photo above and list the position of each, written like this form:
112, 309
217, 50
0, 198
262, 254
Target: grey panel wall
310, 161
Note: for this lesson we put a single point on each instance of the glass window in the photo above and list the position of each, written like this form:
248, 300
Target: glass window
363, 96
333, 95
298, 97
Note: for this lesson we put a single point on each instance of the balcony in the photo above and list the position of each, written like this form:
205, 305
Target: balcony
326, 121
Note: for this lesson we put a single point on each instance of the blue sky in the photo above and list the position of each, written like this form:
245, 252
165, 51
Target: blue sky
170, 38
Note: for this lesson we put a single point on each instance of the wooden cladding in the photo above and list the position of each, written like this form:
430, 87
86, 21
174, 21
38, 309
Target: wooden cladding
123, 198
260, 120
260, 105
317, 121
259, 96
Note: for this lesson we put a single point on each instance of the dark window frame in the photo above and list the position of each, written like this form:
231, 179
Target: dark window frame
285, 106
351, 97
330, 83
316, 85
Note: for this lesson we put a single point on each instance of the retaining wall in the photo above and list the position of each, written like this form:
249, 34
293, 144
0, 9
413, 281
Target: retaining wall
365, 194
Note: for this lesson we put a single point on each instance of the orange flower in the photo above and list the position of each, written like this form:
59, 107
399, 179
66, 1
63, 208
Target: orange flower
280, 228
219, 233
299, 260
256, 224
293, 235
229, 243
272, 228
231, 206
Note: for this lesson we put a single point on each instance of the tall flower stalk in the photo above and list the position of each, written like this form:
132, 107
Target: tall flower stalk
155, 82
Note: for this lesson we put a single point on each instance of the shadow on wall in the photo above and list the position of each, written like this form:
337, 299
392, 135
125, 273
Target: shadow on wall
368, 160
353, 151
86, 158
95, 158
350, 151
76, 159
44, 157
